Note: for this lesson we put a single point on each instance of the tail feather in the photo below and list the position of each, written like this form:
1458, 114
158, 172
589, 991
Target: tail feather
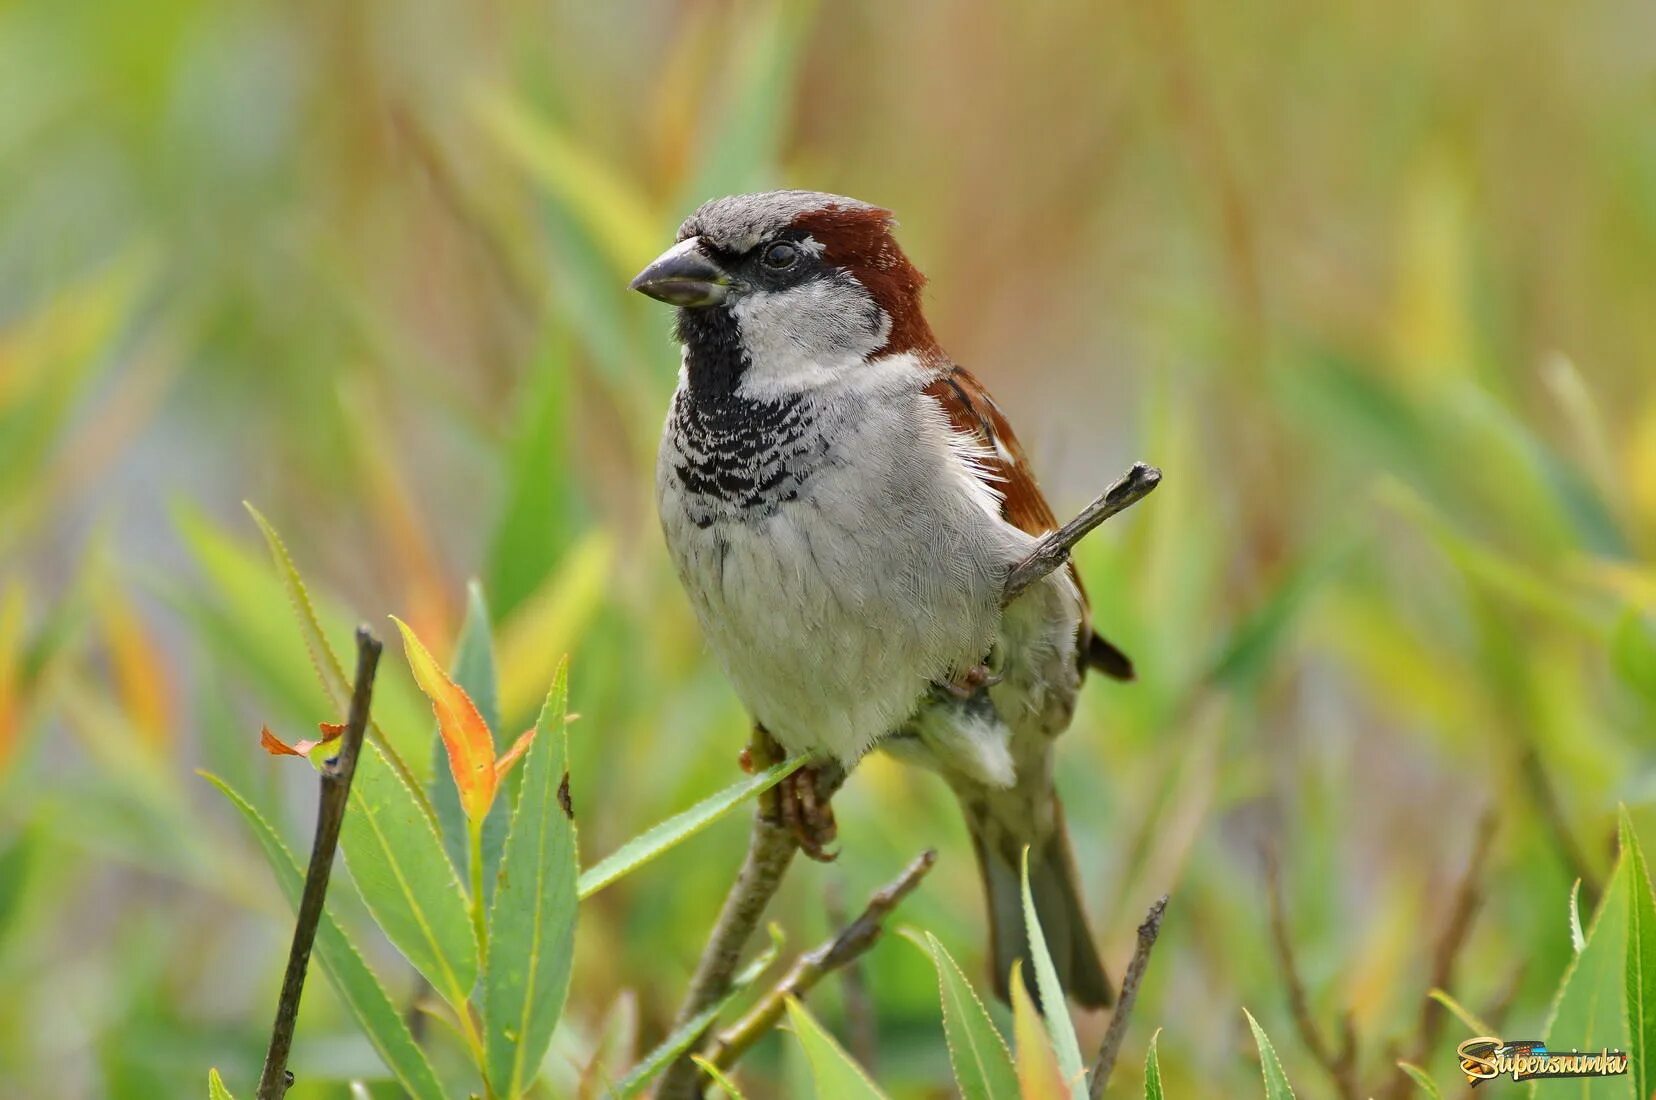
1053, 885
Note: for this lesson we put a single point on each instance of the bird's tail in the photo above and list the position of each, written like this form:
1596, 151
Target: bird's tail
1000, 831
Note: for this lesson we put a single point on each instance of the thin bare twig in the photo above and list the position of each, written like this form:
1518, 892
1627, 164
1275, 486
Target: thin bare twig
1456, 931
330, 814
1054, 548
851, 943
771, 848
1110, 1049
1340, 1065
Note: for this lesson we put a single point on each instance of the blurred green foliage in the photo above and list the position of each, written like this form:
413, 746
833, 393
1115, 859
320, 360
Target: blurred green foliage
1370, 283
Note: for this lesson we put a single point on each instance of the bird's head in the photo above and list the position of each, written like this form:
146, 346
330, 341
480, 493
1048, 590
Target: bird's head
787, 289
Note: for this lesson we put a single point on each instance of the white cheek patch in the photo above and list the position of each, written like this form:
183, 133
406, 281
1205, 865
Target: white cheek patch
807, 335
812, 247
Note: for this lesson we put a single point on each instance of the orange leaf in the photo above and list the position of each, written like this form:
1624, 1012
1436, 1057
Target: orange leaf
275, 746
12, 614
465, 735
515, 753
141, 678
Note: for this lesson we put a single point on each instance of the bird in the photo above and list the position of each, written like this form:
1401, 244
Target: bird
842, 503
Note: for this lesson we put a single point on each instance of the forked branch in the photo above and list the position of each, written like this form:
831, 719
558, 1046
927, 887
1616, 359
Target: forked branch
852, 942
330, 814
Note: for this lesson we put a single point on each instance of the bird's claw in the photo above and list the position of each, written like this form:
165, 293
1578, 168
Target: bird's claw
809, 819
975, 679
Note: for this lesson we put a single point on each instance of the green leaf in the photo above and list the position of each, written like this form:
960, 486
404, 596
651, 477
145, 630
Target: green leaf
1588, 1011
1633, 651
1460, 1012
1152, 1070
1039, 1076
1418, 1076
1058, 1022
356, 984
680, 1039
1276, 1082
405, 878
982, 1063
661, 838
718, 1077
836, 1074
532, 922
215, 1087
1641, 960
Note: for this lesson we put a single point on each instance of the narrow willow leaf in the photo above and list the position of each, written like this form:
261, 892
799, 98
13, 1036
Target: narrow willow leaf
470, 744
835, 1072
215, 1087
1276, 1082
983, 1066
1040, 1077
1466, 1016
1588, 1011
405, 878
1418, 1076
1152, 1070
1058, 1022
717, 1076
532, 921
661, 838
1577, 939
1641, 961
356, 984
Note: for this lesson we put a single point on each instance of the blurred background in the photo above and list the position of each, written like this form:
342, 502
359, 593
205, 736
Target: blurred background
1372, 283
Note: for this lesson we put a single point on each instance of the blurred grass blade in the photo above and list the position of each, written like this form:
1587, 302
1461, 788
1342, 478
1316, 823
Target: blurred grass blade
532, 923
541, 508
679, 1040
1152, 1070
982, 1064
405, 878
1470, 1020
621, 219
1058, 1022
662, 838
835, 1072
215, 1086
1040, 1077
1276, 1082
1418, 1076
1578, 939
323, 658
342, 962
718, 1078
1588, 1011
742, 151
1633, 651
1641, 961
529, 646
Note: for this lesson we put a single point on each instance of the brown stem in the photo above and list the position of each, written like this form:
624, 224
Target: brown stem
852, 942
1054, 548
330, 814
771, 848
1340, 1066
1110, 1049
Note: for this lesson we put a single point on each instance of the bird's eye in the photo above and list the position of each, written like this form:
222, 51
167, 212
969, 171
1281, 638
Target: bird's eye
781, 255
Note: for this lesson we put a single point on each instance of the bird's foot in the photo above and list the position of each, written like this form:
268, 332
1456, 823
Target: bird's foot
809, 818
973, 680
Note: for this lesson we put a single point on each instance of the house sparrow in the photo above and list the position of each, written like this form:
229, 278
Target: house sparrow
843, 503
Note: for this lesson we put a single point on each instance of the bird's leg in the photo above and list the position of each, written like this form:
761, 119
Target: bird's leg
808, 818
975, 679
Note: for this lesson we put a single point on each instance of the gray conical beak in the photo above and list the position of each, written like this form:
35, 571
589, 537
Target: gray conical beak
685, 276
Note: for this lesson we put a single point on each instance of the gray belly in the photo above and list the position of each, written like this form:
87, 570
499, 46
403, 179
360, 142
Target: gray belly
834, 598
